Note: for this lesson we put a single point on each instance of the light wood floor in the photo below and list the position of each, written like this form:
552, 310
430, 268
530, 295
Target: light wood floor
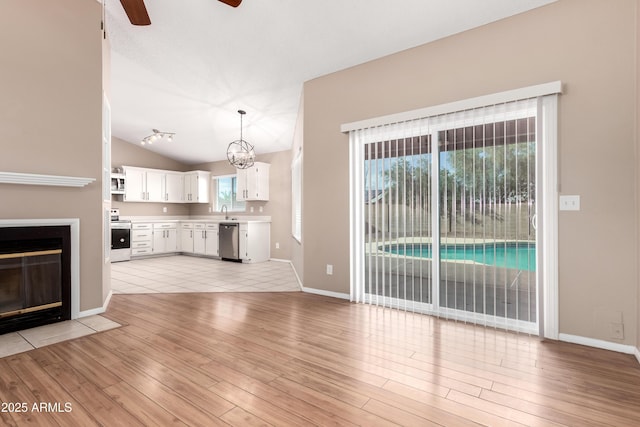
283, 359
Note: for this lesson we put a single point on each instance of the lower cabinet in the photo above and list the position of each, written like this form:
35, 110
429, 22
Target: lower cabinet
141, 239
254, 241
201, 238
205, 239
165, 238
186, 237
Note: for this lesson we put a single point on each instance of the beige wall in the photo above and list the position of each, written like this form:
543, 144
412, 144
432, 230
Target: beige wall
50, 117
278, 206
127, 154
589, 46
637, 137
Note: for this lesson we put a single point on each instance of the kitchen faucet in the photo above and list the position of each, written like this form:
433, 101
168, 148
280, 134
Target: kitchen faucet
226, 213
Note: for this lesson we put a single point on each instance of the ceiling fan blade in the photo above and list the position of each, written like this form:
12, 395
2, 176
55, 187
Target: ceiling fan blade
136, 11
232, 3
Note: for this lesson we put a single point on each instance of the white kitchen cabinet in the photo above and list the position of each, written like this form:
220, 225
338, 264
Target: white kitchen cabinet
253, 183
156, 185
165, 238
143, 185
186, 237
174, 187
141, 239
199, 238
254, 241
212, 241
205, 239
196, 187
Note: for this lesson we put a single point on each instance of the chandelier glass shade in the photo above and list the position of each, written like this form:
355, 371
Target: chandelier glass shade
240, 153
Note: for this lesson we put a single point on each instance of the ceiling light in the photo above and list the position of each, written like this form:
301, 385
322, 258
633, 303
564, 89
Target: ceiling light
156, 135
240, 153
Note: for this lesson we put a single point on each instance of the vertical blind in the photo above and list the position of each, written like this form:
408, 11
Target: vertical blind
447, 214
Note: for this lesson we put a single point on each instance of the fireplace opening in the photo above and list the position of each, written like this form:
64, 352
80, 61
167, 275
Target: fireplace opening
35, 276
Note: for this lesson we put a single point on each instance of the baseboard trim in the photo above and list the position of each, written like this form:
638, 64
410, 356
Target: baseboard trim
326, 293
637, 354
98, 310
605, 345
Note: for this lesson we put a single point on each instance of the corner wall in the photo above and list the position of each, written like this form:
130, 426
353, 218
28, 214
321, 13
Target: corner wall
51, 120
586, 44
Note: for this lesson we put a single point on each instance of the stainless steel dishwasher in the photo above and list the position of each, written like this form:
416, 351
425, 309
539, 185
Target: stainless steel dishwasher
229, 243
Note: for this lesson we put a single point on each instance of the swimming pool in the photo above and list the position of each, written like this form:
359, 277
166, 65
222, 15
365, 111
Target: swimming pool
521, 256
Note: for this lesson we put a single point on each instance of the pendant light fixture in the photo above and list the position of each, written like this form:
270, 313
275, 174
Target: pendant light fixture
240, 153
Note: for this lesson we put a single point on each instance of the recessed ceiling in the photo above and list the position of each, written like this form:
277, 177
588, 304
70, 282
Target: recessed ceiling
200, 61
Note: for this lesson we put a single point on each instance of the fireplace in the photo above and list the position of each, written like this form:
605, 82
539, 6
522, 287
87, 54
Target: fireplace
35, 276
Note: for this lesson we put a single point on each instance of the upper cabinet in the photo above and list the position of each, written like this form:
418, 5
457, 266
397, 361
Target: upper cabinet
154, 185
143, 185
174, 187
253, 182
196, 187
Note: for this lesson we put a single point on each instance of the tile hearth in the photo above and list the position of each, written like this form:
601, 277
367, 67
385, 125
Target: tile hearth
28, 339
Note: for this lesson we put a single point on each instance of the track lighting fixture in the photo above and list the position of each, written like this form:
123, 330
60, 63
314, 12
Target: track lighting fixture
157, 135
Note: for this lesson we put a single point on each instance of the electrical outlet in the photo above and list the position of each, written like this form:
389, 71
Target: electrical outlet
164, 209
569, 203
617, 331
277, 245
329, 269
261, 209
251, 208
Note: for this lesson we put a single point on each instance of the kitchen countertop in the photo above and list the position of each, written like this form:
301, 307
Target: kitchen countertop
198, 219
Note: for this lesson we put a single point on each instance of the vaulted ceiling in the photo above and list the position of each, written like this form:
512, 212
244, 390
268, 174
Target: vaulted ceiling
200, 61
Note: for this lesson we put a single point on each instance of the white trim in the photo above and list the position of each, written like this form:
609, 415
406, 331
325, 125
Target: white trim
97, 310
605, 345
480, 101
326, 293
280, 260
37, 179
292, 267
549, 218
637, 353
356, 228
74, 224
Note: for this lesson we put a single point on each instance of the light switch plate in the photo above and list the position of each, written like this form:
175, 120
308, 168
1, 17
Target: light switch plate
569, 203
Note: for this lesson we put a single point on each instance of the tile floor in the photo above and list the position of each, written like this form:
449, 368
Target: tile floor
177, 274
170, 274
17, 342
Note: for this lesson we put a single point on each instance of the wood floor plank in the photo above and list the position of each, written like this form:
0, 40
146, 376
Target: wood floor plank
281, 359
47, 392
145, 409
169, 399
238, 417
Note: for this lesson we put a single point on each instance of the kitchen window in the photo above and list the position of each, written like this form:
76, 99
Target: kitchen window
225, 189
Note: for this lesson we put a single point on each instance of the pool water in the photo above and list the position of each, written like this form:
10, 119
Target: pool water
521, 256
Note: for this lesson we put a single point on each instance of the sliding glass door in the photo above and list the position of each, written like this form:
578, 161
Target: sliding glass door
448, 215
